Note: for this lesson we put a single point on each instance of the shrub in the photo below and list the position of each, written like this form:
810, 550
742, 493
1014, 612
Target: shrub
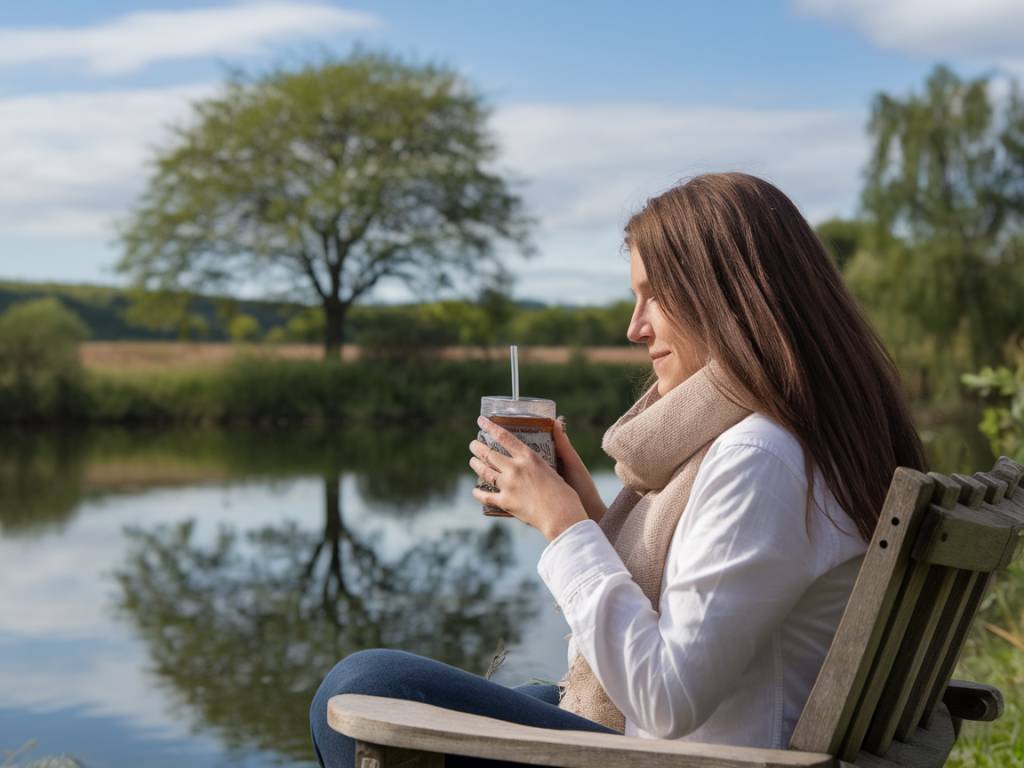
40, 374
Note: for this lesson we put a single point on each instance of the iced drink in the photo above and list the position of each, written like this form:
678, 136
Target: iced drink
531, 419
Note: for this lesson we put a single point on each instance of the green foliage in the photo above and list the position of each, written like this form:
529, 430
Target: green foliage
1003, 422
943, 272
39, 367
567, 326
262, 391
325, 181
842, 238
243, 327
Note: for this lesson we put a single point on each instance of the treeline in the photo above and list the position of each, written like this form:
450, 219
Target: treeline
114, 314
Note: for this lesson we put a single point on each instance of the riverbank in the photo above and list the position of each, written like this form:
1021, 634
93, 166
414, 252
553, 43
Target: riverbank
259, 390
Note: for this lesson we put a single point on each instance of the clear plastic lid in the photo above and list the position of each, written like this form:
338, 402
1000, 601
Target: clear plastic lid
503, 405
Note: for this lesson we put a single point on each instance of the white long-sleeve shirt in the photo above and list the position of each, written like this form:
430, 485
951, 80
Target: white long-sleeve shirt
749, 600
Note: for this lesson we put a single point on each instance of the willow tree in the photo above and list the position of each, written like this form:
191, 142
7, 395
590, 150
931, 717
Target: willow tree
944, 268
317, 184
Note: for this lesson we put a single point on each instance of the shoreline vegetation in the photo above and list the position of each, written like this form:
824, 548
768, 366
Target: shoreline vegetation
169, 384
264, 388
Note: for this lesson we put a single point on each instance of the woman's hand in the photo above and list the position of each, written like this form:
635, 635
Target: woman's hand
528, 488
577, 475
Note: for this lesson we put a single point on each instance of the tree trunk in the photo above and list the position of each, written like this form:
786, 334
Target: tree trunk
334, 328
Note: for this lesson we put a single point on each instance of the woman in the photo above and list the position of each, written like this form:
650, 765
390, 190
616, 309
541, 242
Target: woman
702, 601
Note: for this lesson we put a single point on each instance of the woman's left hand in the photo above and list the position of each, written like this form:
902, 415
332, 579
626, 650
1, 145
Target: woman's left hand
529, 488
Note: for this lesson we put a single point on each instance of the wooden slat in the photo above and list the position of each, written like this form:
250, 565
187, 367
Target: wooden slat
972, 539
947, 491
995, 489
972, 490
976, 592
884, 659
896, 697
414, 725
1009, 470
938, 648
833, 699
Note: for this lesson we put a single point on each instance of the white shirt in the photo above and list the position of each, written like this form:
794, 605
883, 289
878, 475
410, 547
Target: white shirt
749, 601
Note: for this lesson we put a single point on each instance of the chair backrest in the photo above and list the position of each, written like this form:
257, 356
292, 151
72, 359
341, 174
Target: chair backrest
938, 543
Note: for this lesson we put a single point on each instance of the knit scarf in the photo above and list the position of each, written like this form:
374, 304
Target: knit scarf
658, 445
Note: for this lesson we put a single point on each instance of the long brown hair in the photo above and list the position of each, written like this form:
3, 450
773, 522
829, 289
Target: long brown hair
734, 264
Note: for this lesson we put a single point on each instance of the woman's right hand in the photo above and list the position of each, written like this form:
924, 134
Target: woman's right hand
575, 473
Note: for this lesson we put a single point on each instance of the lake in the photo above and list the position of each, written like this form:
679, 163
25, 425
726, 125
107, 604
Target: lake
175, 597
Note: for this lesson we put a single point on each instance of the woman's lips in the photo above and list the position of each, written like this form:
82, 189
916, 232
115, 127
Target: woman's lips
659, 356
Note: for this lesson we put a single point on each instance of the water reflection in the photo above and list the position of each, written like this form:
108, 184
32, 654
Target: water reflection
243, 628
231, 616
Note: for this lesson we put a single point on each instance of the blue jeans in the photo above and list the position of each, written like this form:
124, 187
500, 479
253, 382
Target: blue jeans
402, 675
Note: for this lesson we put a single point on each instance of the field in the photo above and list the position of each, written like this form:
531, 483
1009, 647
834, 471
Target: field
113, 356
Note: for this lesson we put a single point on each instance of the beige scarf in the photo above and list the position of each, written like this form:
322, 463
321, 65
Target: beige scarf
658, 445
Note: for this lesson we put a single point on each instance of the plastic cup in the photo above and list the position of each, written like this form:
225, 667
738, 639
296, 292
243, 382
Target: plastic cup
531, 419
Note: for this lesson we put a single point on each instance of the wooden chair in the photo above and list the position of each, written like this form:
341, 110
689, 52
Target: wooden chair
883, 697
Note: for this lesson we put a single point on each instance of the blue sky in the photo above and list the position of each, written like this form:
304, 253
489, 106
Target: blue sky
596, 105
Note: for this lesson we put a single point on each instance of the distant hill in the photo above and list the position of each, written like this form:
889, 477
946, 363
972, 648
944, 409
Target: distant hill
103, 309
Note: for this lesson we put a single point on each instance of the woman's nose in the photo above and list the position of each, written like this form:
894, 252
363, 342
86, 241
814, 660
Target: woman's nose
639, 329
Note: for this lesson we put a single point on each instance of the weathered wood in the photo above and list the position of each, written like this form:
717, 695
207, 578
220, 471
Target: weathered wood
972, 539
927, 748
896, 697
1009, 470
413, 724
995, 489
379, 756
883, 660
972, 490
947, 490
976, 592
835, 694
938, 649
973, 701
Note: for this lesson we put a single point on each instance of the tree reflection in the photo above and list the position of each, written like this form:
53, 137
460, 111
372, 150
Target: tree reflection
40, 482
242, 628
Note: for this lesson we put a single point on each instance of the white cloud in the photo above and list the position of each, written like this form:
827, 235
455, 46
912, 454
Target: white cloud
72, 161
588, 168
985, 28
130, 42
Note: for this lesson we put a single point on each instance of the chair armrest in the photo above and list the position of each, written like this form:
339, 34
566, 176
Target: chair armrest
417, 726
973, 701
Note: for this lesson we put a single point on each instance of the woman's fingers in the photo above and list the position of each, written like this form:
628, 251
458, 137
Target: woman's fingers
487, 498
562, 444
485, 472
488, 455
516, 447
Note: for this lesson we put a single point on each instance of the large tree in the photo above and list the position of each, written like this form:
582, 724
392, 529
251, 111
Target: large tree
322, 182
942, 264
